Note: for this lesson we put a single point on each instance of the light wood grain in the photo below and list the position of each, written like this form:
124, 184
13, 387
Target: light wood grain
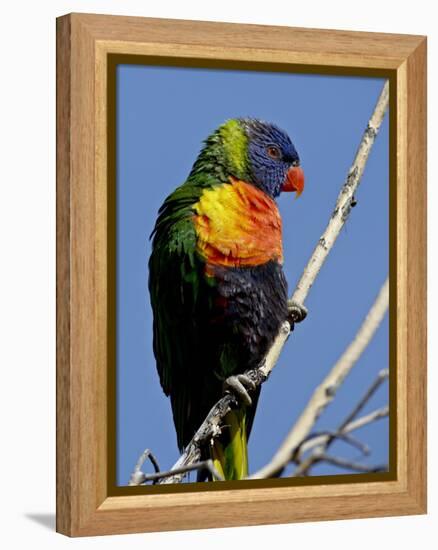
63, 279
416, 273
83, 44
390, 48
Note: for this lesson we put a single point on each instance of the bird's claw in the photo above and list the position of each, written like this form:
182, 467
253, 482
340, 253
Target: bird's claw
238, 385
296, 312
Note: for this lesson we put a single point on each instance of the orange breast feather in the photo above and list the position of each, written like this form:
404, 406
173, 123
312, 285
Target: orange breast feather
238, 225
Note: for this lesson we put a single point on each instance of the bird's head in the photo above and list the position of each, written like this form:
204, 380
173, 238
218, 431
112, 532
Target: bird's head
273, 161
258, 152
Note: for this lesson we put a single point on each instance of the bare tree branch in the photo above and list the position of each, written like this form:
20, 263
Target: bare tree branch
326, 391
319, 439
367, 419
342, 430
139, 477
321, 443
351, 465
381, 377
345, 200
303, 469
211, 427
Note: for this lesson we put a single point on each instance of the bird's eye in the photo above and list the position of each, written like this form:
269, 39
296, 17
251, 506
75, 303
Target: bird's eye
273, 152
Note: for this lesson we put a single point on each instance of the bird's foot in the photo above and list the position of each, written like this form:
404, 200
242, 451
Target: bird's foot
238, 385
296, 313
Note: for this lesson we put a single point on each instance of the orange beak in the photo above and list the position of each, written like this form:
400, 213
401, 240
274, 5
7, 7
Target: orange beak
294, 180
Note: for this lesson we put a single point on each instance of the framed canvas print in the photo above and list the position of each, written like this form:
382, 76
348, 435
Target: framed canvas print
226, 354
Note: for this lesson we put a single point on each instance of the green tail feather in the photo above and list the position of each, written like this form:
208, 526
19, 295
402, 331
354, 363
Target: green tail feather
230, 457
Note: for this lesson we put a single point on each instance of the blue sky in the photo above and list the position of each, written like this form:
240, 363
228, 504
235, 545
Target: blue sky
163, 114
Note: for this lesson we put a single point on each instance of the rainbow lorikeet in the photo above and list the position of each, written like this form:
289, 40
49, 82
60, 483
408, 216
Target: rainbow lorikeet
217, 288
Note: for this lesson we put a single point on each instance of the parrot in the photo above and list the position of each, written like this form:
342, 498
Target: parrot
217, 288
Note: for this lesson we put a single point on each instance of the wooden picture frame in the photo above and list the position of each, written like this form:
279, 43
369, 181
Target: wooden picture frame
85, 44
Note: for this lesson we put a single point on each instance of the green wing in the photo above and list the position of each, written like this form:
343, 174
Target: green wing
178, 293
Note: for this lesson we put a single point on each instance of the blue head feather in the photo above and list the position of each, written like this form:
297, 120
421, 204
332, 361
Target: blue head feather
268, 173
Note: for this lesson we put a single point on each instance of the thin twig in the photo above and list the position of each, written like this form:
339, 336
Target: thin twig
320, 445
137, 475
350, 465
210, 428
320, 439
381, 377
203, 465
367, 419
